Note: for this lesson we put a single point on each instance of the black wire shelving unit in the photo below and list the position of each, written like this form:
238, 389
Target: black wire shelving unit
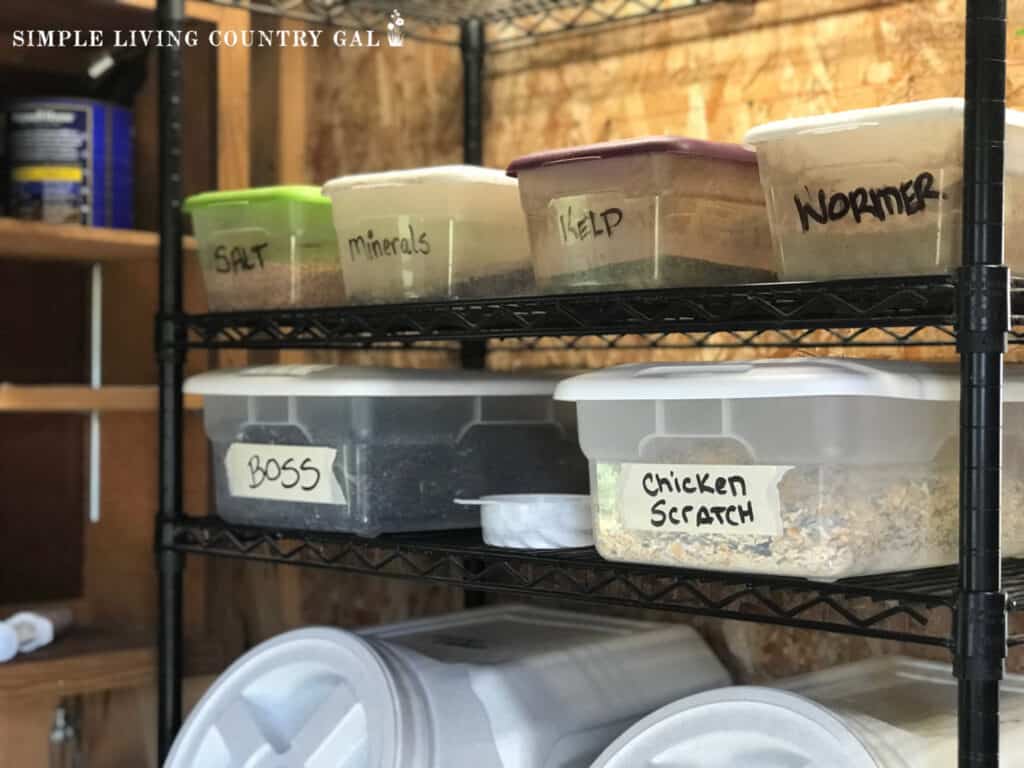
978, 308
509, 22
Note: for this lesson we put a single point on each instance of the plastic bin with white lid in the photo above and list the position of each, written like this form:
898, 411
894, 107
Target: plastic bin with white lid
877, 191
651, 212
813, 467
890, 712
431, 233
267, 248
373, 450
504, 687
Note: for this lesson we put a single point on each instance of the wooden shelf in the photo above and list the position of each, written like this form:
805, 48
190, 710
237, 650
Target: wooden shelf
39, 241
61, 398
89, 660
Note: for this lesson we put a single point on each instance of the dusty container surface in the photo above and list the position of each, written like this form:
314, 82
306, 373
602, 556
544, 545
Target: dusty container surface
655, 212
877, 191
889, 712
820, 468
502, 687
369, 451
431, 233
267, 248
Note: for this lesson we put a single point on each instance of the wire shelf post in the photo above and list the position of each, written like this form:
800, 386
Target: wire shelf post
983, 324
171, 356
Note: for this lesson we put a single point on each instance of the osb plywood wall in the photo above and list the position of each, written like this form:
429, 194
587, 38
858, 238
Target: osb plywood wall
713, 74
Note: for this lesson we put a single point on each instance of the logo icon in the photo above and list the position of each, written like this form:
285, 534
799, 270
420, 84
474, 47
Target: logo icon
396, 36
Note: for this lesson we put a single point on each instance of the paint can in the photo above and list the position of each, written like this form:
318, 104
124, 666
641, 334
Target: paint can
71, 161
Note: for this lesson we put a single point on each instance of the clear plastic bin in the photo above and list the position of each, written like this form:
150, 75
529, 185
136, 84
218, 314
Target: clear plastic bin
821, 468
431, 233
267, 248
876, 191
890, 712
503, 687
374, 451
654, 212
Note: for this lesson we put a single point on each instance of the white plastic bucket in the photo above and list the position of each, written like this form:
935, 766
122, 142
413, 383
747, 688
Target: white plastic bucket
505, 687
889, 712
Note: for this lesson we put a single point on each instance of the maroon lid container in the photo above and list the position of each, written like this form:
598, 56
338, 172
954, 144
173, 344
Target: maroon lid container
676, 145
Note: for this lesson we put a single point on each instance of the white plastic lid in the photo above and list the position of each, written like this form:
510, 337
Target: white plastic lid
440, 174
738, 727
788, 377
535, 520
355, 381
307, 697
931, 109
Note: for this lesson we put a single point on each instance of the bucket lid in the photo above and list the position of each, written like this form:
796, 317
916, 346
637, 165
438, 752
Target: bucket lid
315, 691
644, 145
930, 109
790, 377
439, 174
356, 381
739, 727
283, 194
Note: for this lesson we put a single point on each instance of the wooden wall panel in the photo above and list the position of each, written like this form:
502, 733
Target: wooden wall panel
120, 726
120, 571
42, 515
383, 108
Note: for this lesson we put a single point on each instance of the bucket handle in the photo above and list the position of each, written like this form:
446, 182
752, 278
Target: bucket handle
472, 502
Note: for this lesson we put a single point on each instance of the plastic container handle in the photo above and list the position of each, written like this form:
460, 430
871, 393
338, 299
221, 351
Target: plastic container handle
840, 128
474, 502
713, 369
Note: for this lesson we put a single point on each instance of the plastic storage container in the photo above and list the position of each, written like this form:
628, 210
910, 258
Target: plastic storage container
876, 191
508, 687
822, 468
371, 450
431, 233
890, 712
535, 520
267, 248
655, 212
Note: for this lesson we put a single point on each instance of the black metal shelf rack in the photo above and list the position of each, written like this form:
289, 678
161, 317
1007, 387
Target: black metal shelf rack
768, 314
962, 608
914, 606
509, 22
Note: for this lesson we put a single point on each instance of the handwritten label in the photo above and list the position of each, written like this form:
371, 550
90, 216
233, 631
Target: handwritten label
240, 250
604, 228
401, 237
702, 498
283, 473
907, 198
585, 223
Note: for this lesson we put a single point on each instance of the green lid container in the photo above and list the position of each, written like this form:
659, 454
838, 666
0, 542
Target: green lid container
267, 248
293, 193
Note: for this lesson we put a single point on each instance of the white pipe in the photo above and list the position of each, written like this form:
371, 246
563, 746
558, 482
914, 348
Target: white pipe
95, 381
